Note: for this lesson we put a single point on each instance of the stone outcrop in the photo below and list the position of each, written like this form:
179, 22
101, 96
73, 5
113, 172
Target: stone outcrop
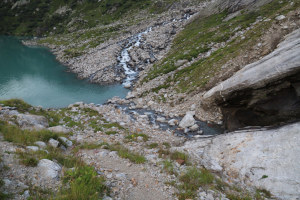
262, 93
267, 159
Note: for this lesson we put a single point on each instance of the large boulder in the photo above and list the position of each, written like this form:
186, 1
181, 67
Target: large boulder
267, 159
48, 169
263, 93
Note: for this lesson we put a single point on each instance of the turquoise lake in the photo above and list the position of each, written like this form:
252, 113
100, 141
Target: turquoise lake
34, 75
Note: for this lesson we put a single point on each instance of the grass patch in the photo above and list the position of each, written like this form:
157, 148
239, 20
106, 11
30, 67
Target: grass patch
168, 167
23, 107
192, 180
14, 134
84, 183
125, 153
111, 132
152, 145
114, 124
201, 32
134, 136
179, 156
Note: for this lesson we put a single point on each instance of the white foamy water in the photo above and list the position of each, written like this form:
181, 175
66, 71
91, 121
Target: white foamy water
125, 58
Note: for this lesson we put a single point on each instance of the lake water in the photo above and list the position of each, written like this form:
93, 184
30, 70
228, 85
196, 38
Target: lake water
33, 74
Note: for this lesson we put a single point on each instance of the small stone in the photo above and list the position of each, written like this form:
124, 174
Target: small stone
173, 122
32, 148
280, 17
194, 127
161, 119
140, 139
113, 154
109, 175
59, 129
26, 194
53, 143
66, 141
40, 144
134, 182
121, 176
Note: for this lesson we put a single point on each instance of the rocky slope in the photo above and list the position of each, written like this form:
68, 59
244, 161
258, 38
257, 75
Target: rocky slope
234, 63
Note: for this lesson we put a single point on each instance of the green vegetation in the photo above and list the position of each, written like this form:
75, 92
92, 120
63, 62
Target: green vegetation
199, 34
79, 183
192, 180
40, 17
23, 107
152, 145
179, 156
125, 153
134, 136
14, 134
84, 184
168, 167
114, 124
111, 132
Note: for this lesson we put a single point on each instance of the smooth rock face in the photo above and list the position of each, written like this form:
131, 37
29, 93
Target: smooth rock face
262, 93
59, 129
188, 120
266, 159
48, 169
27, 121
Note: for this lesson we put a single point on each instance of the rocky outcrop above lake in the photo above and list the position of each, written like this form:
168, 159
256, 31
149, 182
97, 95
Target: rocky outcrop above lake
266, 159
263, 93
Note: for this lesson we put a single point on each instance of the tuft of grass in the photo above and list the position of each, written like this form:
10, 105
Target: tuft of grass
114, 124
168, 167
28, 159
111, 132
84, 183
152, 145
167, 145
192, 180
134, 136
125, 153
23, 107
14, 134
179, 155
19, 104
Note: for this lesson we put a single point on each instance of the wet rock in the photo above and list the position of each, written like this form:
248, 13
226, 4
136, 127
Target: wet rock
48, 169
188, 120
195, 127
59, 129
53, 143
69, 143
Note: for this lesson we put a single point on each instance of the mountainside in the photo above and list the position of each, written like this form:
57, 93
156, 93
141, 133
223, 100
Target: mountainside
195, 69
